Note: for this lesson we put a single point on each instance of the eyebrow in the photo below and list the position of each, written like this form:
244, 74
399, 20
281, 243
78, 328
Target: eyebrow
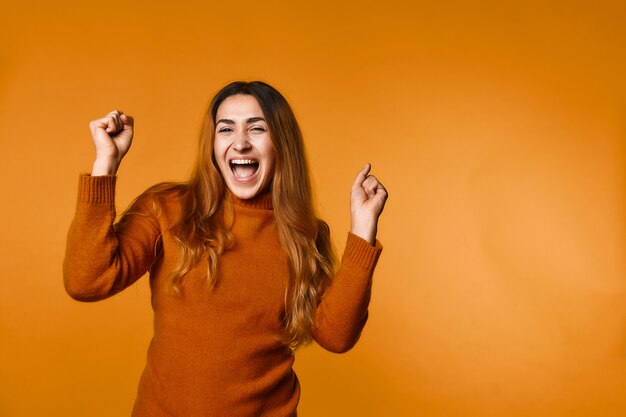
231, 122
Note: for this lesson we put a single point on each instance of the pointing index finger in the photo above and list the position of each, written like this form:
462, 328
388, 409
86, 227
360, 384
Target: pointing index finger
360, 177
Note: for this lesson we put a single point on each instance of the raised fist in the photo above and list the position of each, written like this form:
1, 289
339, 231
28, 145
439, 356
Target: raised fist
112, 136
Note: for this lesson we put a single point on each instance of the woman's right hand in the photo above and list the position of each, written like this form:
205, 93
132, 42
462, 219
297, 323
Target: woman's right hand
112, 136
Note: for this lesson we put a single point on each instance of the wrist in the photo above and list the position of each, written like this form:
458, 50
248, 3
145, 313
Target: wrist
103, 167
366, 233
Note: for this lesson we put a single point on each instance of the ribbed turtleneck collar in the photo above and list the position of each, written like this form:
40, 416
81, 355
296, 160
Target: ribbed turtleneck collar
261, 201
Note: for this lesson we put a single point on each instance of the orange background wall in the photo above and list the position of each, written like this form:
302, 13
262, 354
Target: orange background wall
498, 128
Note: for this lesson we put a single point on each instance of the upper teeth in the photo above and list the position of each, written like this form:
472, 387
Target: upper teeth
243, 161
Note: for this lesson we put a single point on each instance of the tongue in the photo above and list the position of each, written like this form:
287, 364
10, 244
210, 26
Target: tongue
244, 171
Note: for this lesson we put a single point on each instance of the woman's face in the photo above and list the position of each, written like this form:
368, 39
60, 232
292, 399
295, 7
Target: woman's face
243, 147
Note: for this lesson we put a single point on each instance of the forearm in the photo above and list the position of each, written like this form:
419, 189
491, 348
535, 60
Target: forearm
100, 261
104, 165
342, 313
366, 230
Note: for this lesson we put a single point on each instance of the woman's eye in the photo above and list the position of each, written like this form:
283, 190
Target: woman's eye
225, 129
258, 129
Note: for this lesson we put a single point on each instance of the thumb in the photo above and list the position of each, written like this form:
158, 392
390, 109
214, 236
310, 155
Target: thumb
127, 120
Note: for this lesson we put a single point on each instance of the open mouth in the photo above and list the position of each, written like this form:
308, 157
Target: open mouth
244, 168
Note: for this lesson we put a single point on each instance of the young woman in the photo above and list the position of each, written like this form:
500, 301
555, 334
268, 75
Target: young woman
242, 272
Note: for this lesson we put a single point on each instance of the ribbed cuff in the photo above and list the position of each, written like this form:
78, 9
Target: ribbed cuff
361, 253
96, 190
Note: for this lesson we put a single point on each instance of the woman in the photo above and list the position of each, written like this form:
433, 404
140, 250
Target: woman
242, 272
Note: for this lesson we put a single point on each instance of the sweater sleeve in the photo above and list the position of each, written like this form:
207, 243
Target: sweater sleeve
343, 311
102, 257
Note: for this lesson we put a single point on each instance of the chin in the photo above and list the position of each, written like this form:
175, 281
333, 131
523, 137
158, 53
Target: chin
245, 192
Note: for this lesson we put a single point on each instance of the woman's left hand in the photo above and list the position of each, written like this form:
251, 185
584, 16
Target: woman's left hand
367, 201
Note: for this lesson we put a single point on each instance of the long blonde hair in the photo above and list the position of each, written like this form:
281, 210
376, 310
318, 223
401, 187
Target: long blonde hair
304, 237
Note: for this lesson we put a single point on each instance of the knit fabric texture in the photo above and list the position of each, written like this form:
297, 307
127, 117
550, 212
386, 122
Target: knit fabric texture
215, 351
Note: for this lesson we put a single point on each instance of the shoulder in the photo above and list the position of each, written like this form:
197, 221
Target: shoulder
164, 192
162, 200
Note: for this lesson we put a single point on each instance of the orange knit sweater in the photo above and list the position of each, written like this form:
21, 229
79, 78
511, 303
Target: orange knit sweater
214, 351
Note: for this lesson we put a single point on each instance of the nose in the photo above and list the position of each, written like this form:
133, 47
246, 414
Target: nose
241, 142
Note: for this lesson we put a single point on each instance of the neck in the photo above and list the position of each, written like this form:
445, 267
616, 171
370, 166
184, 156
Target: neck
260, 201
